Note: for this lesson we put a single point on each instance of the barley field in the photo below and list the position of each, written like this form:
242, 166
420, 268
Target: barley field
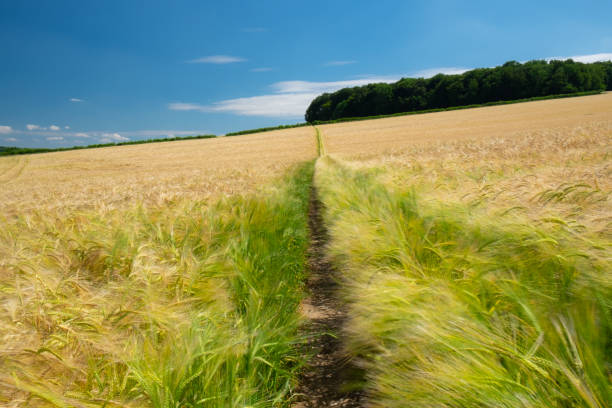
152, 174
473, 250
390, 135
160, 275
476, 265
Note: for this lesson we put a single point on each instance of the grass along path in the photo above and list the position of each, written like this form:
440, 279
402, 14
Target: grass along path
449, 306
192, 304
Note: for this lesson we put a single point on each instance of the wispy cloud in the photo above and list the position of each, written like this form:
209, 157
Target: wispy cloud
75, 100
338, 63
113, 137
319, 87
54, 138
217, 59
180, 106
5, 130
37, 128
81, 135
254, 29
10, 139
430, 72
290, 99
286, 105
586, 58
262, 69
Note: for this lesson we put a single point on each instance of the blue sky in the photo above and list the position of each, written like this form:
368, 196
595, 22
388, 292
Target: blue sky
82, 72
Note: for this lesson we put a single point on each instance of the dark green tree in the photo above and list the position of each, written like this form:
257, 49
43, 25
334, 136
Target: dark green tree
508, 82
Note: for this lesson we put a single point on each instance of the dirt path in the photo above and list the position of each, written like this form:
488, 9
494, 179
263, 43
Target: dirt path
328, 378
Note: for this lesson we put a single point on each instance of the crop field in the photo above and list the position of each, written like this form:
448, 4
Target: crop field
387, 136
152, 174
471, 249
157, 275
476, 265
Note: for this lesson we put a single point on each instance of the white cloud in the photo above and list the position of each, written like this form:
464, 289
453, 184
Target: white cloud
319, 87
66, 127
54, 128
32, 127
217, 59
586, 58
54, 138
75, 100
113, 137
428, 73
180, 106
338, 63
5, 129
292, 105
262, 69
10, 139
290, 98
80, 134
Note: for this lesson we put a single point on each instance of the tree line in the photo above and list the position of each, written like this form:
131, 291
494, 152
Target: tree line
511, 81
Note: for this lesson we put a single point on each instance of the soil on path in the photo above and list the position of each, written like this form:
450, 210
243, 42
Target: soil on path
329, 380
